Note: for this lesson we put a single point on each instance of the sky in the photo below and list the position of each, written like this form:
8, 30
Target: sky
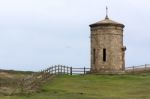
36, 34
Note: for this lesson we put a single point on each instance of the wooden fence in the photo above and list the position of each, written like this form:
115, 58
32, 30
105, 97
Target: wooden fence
32, 82
140, 68
61, 69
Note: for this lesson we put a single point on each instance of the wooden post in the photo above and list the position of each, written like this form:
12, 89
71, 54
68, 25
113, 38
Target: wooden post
84, 71
133, 69
55, 69
48, 73
58, 69
64, 69
41, 74
61, 69
51, 70
70, 70
67, 70
145, 67
44, 74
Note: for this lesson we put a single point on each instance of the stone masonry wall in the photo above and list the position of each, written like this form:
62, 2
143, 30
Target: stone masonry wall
111, 39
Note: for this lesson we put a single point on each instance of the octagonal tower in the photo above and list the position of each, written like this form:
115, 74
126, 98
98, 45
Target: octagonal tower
107, 50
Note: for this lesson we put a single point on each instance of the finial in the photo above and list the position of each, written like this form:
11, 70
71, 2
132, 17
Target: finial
106, 13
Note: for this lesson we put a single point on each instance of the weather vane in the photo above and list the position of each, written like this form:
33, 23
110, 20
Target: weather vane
106, 13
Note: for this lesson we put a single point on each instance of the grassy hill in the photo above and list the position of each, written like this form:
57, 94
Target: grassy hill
9, 80
93, 87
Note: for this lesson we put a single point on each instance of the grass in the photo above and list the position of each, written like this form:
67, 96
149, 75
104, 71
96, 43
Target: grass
9, 80
93, 87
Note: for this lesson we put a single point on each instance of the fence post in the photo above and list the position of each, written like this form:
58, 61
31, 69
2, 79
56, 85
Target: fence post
67, 70
84, 71
41, 74
44, 74
48, 71
55, 69
58, 69
70, 70
64, 69
61, 69
145, 67
51, 70
133, 68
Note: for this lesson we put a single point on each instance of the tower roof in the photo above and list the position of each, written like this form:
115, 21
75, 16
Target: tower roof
107, 22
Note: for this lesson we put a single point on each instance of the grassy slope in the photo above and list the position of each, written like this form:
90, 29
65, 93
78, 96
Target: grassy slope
9, 80
93, 87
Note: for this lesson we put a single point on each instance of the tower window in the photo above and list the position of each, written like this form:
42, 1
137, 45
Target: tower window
104, 55
94, 58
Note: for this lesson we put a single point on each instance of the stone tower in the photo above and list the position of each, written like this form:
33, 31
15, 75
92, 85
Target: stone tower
107, 50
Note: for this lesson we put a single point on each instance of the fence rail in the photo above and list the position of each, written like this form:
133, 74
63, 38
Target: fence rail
33, 81
140, 68
61, 69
